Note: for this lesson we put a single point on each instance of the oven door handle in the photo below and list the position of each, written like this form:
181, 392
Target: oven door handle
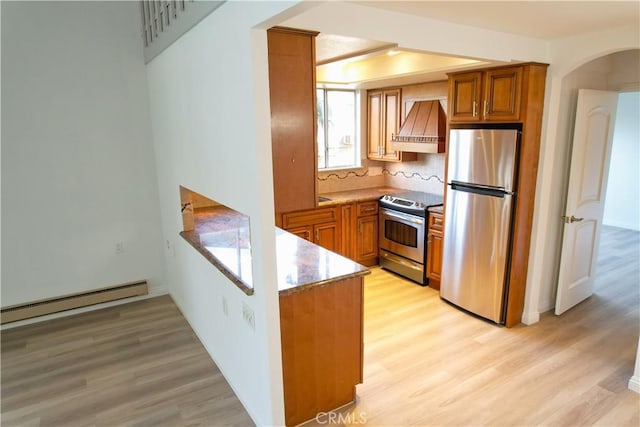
409, 218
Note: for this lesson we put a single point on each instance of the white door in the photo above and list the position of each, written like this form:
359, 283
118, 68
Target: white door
595, 117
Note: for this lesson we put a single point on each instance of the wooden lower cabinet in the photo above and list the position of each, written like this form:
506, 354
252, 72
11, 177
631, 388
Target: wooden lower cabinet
322, 348
434, 248
367, 240
320, 226
350, 229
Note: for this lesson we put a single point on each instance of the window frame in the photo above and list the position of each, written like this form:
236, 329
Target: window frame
357, 147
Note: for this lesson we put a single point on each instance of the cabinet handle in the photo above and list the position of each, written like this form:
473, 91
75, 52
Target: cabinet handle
486, 109
474, 109
317, 237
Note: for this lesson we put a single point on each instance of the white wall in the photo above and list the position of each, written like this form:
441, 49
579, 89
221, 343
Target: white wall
211, 124
622, 206
77, 161
598, 72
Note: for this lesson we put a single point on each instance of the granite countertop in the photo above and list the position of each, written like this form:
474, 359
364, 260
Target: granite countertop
361, 195
222, 236
375, 193
437, 209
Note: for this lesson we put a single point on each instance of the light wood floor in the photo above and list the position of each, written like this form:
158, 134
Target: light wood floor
429, 364
131, 365
426, 362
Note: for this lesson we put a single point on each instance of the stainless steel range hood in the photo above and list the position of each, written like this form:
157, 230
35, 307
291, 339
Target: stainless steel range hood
424, 129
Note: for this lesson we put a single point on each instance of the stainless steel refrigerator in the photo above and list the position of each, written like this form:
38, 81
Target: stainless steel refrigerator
481, 179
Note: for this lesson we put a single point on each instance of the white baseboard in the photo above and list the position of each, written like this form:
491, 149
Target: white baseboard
529, 318
634, 384
153, 292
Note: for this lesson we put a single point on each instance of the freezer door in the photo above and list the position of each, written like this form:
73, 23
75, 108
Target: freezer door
485, 157
475, 253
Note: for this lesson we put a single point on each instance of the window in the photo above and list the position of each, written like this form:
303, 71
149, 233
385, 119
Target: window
337, 142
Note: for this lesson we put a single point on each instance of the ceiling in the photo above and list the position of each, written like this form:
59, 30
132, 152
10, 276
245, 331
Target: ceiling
362, 63
539, 19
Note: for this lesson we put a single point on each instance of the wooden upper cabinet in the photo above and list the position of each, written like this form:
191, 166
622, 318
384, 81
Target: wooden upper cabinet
493, 95
502, 93
465, 97
391, 120
375, 128
293, 118
383, 120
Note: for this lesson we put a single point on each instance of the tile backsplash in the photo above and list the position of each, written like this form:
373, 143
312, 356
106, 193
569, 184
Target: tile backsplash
425, 174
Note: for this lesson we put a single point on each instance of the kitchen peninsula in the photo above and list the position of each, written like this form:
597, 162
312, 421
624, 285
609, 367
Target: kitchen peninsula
321, 307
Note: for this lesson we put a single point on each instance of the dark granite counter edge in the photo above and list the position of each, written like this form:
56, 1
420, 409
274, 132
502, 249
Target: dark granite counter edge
322, 283
192, 239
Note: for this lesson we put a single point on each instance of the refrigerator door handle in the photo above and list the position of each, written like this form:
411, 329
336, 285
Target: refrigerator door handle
478, 189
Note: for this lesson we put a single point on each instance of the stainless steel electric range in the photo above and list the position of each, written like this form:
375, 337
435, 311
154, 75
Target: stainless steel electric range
403, 233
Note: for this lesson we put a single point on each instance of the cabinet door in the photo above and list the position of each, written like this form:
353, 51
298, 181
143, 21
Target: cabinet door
374, 121
293, 118
434, 248
464, 97
327, 236
434, 259
303, 232
502, 89
367, 239
391, 122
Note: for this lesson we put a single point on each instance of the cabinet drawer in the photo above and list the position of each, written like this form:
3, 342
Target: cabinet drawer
436, 222
367, 208
311, 217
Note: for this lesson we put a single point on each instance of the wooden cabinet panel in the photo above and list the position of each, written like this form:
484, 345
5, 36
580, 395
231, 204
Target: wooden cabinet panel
464, 97
365, 231
304, 232
502, 93
322, 348
327, 235
434, 248
367, 208
309, 217
374, 120
383, 121
347, 238
320, 226
391, 121
367, 240
293, 118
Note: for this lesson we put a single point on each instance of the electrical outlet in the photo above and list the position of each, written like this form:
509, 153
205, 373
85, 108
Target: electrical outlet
247, 315
119, 247
225, 306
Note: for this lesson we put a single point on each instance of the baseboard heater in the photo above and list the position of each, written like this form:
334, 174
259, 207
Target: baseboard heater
69, 302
